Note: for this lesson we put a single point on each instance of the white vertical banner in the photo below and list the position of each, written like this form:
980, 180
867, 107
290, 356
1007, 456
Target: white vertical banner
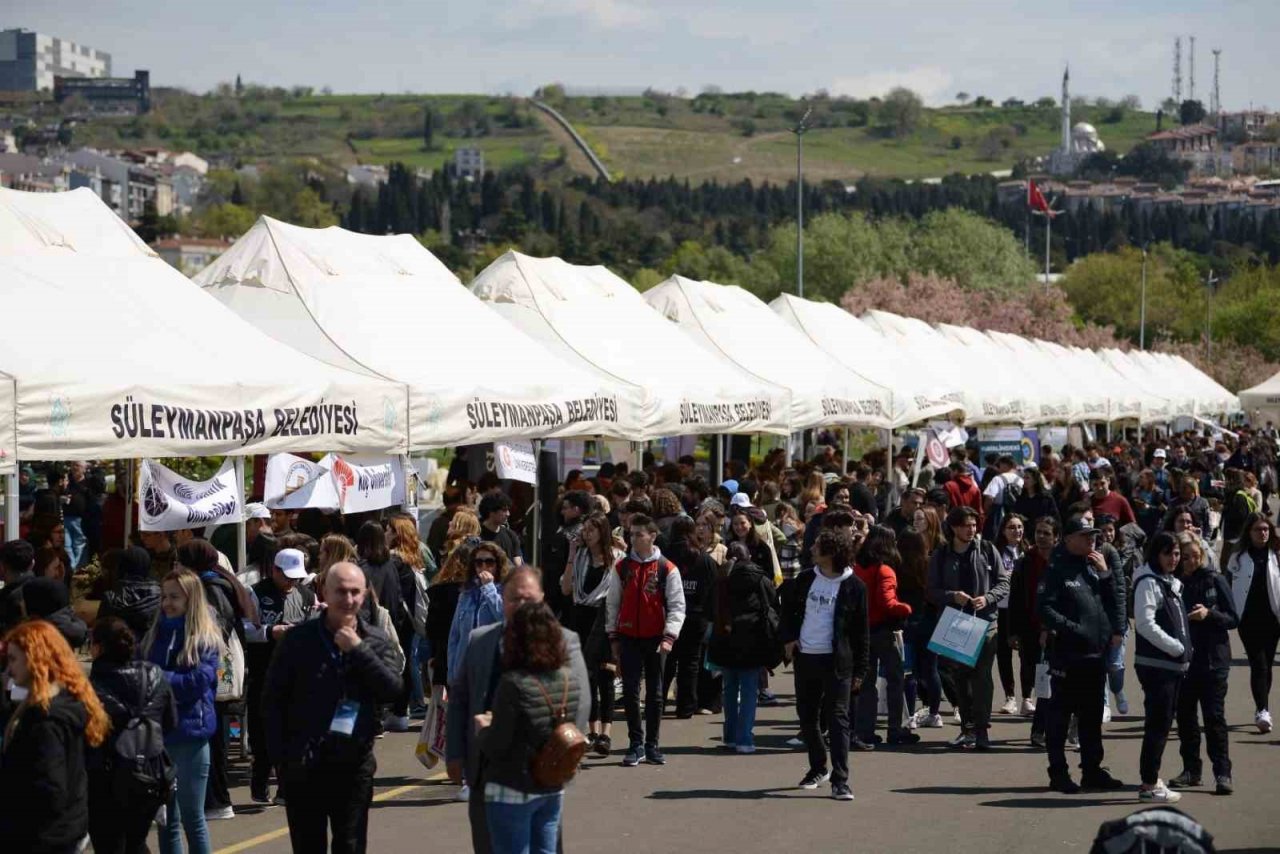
515, 461
171, 502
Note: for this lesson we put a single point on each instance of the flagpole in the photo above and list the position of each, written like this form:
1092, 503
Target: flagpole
1048, 223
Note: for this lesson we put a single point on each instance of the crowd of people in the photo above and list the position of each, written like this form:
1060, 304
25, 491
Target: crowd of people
127, 663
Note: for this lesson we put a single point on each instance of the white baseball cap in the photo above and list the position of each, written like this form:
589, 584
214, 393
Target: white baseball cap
1160, 454
256, 510
740, 499
291, 563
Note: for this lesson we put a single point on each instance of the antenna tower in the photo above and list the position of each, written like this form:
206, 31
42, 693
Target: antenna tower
1192, 95
1177, 71
1215, 102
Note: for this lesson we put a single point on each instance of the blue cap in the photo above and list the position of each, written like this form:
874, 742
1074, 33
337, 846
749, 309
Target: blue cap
731, 485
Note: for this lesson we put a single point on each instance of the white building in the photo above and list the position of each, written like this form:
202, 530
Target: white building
29, 61
468, 163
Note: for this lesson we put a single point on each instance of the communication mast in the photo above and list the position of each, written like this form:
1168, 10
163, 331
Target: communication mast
1215, 101
1192, 94
1177, 71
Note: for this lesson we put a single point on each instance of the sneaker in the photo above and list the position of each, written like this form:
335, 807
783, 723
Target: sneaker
224, 814
912, 722
654, 756
766, 698
1010, 706
795, 741
1106, 713
814, 779
259, 795
419, 711
856, 743
899, 739
932, 722
1100, 779
1028, 707
955, 716
1159, 794
603, 745
705, 712
964, 741
633, 756
1122, 703
397, 723
1063, 784
278, 800
841, 792
981, 740
1038, 740
1224, 787
464, 794
1185, 780
1262, 720
742, 748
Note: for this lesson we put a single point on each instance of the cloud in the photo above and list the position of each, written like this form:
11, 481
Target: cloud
601, 14
931, 83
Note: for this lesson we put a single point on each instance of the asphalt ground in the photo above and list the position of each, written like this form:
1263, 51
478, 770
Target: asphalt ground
924, 798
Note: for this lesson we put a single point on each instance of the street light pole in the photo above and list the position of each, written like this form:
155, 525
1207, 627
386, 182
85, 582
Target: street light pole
799, 132
1142, 321
1208, 317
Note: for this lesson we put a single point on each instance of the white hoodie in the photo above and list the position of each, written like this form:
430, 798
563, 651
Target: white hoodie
1146, 599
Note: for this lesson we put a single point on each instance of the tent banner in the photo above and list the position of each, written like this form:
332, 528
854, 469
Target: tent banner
294, 483
363, 487
171, 502
516, 461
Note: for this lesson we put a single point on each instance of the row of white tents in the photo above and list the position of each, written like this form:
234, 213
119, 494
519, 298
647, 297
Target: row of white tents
327, 340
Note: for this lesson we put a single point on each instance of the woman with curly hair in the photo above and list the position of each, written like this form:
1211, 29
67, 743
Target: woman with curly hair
44, 787
480, 602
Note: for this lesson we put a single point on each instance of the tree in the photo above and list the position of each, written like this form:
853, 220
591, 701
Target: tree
428, 129
978, 254
225, 220
982, 102
1191, 112
900, 112
962, 97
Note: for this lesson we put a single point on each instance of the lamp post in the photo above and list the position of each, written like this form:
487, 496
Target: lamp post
1209, 282
1142, 318
799, 131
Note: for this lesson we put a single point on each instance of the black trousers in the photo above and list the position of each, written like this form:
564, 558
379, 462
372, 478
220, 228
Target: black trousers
1077, 691
971, 686
217, 794
328, 798
640, 657
1028, 658
260, 776
683, 665
1004, 654
1204, 691
823, 697
1260, 636
1160, 704
116, 827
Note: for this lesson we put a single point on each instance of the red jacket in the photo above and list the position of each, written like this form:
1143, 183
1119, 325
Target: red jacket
963, 492
645, 599
882, 594
1024, 599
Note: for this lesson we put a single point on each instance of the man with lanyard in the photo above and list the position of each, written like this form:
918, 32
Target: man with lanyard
323, 690
282, 603
1082, 613
966, 573
472, 693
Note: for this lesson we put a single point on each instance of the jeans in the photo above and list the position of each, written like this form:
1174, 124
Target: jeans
1204, 691
323, 797
1160, 703
186, 807
822, 695
683, 665
972, 686
741, 689
1076, 687
531, 828
885, 652
1260, 637
1115, 669
640, 656
73, 526
418, 661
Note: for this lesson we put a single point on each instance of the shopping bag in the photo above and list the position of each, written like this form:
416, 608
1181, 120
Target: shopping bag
430, 749
959, 636
1044, 685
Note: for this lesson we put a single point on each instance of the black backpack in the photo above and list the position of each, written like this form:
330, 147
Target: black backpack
143, 772
1158, 830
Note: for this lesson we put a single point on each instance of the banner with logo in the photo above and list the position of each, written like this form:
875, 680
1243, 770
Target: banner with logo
294, 483
515, 461
364, 487
171, 502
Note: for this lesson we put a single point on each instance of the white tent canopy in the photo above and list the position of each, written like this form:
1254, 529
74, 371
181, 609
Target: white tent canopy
8, 424
1032, 387
917, 395
144, 364
733, 323
1152, 386
591, 316
1262, 402
384, 304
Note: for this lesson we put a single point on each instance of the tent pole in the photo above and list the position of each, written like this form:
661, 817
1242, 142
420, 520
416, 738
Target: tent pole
716, 460
242, 557
130, 468
915, 469
889, 480
844, 452
536, 541
11, 504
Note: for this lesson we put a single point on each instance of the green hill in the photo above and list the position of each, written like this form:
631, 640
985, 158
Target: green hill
726, 137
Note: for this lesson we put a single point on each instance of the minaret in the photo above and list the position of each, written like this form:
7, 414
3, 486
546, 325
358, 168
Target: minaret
1066, 111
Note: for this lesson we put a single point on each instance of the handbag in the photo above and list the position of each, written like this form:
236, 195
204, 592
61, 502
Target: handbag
430, 748
959, 636
231, 671
1044, 684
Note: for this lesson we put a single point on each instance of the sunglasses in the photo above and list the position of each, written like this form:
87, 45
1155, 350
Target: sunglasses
484, 561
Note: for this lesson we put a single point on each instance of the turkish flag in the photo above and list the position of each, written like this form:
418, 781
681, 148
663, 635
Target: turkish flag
1036, 200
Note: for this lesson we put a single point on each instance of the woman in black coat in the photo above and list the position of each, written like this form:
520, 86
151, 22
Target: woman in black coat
128, 688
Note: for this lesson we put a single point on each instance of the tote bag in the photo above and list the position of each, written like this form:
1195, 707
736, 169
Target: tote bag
959, 636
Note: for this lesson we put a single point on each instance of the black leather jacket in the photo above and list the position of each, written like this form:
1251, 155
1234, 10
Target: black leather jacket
123, 690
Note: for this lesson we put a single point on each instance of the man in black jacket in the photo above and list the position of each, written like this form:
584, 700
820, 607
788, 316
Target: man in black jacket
574, 507
17, 560
698, 575
135, 594
324, 686
1083, 614
824, 626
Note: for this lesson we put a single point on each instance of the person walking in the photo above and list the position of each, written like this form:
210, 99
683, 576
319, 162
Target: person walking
698, 575
1025, 629
645, 610
1161, 657
824, 624
323, 690
1009, 546
187, 644
913, 581
1254, 571
44, 799
479, 602
1211, 615
535, 691
875, 567
473, 692
744, 640
130, 690
968, 574
1083, 614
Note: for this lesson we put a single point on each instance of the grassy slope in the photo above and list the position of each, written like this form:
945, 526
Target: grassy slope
638, 137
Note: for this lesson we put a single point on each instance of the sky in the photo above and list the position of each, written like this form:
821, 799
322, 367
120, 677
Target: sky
997, 48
